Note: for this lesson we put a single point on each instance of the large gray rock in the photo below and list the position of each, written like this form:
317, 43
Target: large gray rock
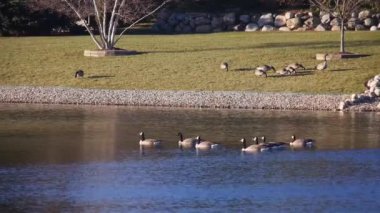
280, 21
251, 27
229, 18
289, 15
354, 15
216, 22
293, 23
301, 29
373, 28
335, 28
203, 29
266, 19
202, 21
325, 19
369, 22
312, 23
359, 27
284, 29
267, 28
245, 19
335, 22
351, 23
364, 14
320, 28
172, 20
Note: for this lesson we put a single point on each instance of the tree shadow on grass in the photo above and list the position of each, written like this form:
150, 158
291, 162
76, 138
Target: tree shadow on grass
340, 70
297, 74
244, 69
100, 76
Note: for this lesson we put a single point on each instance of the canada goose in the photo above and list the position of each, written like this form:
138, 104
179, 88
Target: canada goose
187, 143
148, 142
266, 68
205, 145
323, 65
296, 66
286, 71
251, 148
261, 73
274, 145
224, 66
301, 143
263, 147
79, 74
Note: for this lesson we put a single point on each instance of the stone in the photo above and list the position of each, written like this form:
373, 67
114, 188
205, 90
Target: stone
364, 14
368, 22
239, 27
202, 21
229, 18
284, 29
378, 106
301, 29
325, 19
280, 21
312, 22
293, 23
245, 19
267, 28
335, 28
320, 28
187, 29
203, 29
344, 104
216, 22
251, 27
354, 15
377, 91
335, 22
359, 27
351, 23
172, 20
289, 15
378, 26
354, 97
266, 19
373, 28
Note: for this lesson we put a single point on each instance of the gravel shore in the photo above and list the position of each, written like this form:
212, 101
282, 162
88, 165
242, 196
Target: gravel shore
206, 99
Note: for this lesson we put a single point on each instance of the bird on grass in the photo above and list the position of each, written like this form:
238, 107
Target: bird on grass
266, 68
224, 66
296, 66
322, 66
79, 74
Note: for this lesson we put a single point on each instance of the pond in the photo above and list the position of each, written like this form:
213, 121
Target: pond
87, 158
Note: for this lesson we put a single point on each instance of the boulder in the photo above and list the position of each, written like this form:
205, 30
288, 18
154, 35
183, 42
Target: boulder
359, 27
203, 29
172, 20
280, 21
364, 14
301, 29
289, 15
335, 22
368, 22
284, 29
335, 28
320, 28
202, 21
293, 23
312, 23
245, 19
267, 28
378, 26
351, 23
354, 15
216, 22
266, 19
325, 19
229, 19
239, 27
373, 28
251, 27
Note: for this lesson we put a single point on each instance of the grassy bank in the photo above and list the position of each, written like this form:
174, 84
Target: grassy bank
191, 62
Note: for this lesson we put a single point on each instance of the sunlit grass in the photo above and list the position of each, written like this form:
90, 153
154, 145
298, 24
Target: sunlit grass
191, 62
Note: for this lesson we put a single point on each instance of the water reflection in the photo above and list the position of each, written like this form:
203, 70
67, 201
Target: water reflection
64, 134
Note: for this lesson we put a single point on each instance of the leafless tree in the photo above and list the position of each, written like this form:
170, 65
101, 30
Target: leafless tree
108, 15
341, 9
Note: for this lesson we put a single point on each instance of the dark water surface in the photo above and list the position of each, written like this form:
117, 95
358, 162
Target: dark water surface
87, 159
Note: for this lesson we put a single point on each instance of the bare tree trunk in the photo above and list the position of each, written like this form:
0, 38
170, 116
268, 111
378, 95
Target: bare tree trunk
342, 37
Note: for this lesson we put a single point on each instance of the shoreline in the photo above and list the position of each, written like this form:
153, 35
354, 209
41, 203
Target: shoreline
188, 99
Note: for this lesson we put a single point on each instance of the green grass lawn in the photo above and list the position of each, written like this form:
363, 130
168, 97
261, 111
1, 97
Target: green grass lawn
191, 62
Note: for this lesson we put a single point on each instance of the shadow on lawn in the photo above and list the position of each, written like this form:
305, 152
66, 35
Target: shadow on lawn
101, 76
297, 74
308, 45
340, 70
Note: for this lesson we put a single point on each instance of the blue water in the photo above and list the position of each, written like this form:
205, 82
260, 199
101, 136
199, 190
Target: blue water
86, 159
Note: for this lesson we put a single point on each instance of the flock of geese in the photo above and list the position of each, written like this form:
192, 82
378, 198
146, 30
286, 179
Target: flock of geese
200, 144
290, 69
